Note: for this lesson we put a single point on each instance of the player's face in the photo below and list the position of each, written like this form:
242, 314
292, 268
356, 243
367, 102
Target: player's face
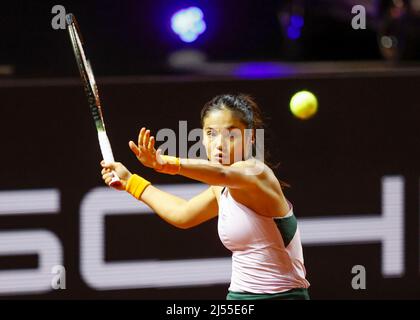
224, 136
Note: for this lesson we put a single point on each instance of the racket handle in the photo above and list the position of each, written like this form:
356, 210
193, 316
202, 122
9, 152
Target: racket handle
115, 181
107, 155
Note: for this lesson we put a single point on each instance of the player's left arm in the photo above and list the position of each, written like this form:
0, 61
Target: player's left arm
249, 174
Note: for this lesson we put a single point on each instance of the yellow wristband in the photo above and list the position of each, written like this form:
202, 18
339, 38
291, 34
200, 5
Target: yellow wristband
172, 165
136, 185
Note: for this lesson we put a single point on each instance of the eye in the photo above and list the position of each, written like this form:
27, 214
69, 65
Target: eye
211, 133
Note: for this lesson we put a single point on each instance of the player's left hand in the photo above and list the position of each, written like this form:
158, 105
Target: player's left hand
145, 150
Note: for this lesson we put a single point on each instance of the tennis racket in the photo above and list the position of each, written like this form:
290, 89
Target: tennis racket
91, 91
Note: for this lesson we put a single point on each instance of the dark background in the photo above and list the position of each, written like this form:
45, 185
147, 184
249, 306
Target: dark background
134, 37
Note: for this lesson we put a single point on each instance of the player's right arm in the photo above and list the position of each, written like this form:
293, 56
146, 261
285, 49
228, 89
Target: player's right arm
179, 212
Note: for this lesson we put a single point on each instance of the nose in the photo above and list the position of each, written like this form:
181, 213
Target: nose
218, 142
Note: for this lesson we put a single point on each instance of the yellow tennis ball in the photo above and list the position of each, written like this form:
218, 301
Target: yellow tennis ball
303, 104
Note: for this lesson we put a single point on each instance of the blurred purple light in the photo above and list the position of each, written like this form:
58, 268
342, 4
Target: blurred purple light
261, 70
296, 21
293, 33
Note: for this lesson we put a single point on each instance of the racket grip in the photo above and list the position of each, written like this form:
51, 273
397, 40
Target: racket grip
107, 155
115, 181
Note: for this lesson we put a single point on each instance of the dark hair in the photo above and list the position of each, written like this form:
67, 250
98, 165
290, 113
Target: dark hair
248, 111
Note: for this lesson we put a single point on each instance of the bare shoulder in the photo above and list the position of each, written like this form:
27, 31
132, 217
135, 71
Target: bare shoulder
253, 168
258, 170
263, 176
266, 198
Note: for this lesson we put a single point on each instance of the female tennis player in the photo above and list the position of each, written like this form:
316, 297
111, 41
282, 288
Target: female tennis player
255, 220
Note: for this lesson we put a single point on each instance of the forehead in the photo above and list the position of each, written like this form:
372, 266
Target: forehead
222, 118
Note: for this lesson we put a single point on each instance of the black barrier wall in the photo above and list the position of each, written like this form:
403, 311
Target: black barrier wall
353, 170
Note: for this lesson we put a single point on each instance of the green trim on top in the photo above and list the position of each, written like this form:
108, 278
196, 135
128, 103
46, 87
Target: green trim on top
287, 227
293, 294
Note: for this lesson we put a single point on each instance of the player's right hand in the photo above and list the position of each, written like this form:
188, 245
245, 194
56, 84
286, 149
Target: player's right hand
121, 171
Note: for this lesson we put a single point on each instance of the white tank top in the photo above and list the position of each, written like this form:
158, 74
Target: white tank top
267, 252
